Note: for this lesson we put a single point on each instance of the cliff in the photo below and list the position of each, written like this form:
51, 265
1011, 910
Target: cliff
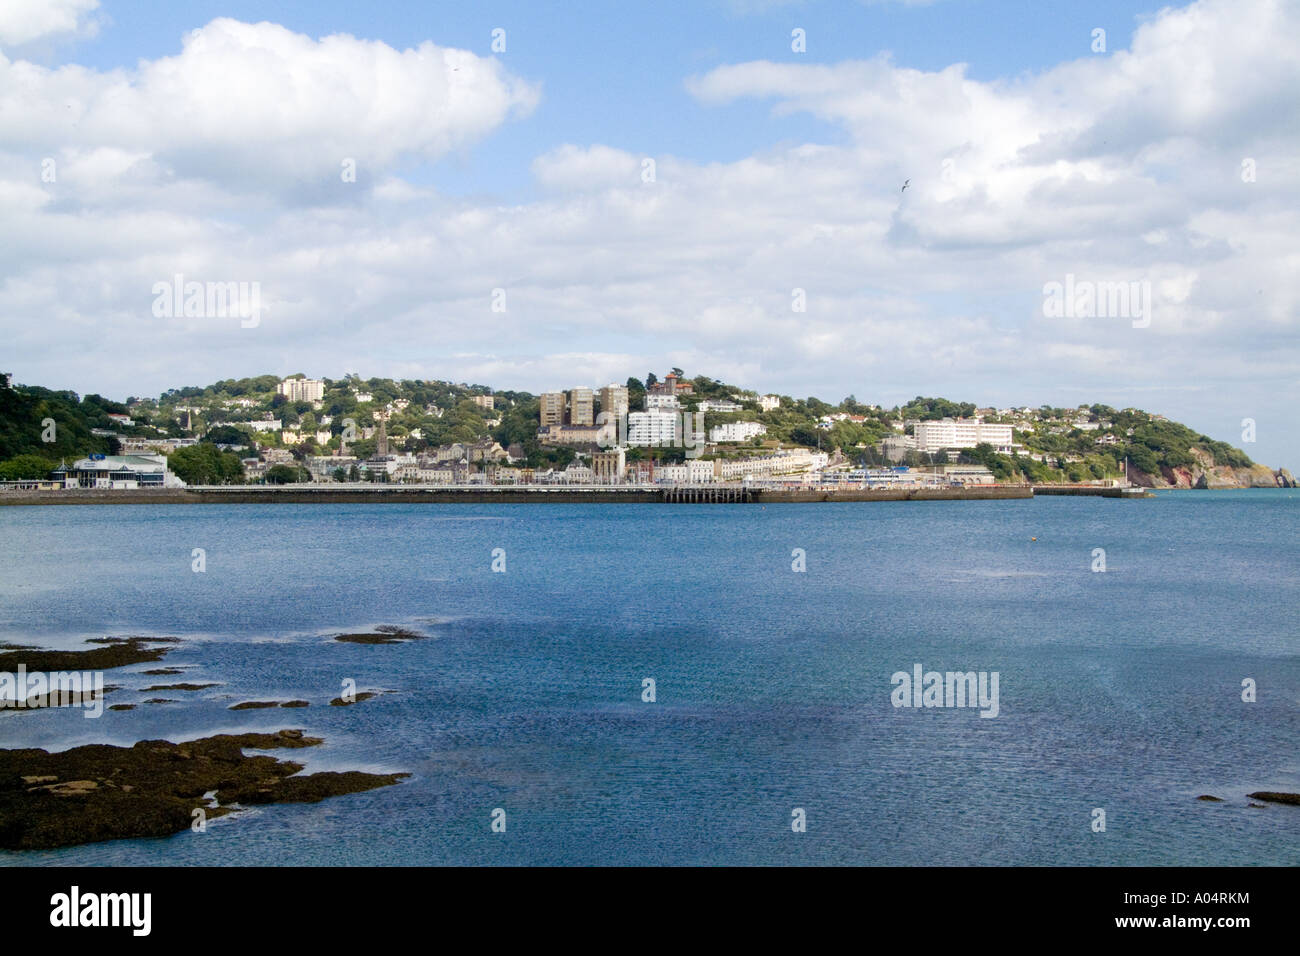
1206, 474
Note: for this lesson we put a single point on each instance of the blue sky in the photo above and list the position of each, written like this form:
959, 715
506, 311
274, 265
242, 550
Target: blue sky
617, 78
207, 139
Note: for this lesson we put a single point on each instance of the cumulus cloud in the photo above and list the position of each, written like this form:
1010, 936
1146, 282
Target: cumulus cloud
259, 106
24, 22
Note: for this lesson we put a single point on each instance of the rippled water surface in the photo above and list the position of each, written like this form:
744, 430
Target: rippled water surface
1118, 690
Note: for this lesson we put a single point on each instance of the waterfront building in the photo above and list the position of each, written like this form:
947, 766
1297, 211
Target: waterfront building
117, 471
957, 433
607, 467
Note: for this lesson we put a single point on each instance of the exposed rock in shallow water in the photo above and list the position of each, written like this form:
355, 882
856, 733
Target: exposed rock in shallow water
100, 792
384, 634
114, 652
176, 687
121, 706
1206, 796
163, 671
1273, 796
262, 704
358, 698
63, 700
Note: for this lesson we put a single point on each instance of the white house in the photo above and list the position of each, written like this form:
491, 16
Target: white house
736, 431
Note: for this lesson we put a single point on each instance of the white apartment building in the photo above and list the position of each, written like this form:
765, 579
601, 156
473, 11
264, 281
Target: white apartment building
790, 462
960, 433
657, 428
302, 389
690, 472
769, 402
736, 431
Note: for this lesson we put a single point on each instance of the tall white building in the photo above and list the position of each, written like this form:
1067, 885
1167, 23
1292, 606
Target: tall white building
961, 433
769, 402
656, 428
302, 389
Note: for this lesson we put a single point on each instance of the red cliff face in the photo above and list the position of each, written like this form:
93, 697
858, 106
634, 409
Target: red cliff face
1213, 477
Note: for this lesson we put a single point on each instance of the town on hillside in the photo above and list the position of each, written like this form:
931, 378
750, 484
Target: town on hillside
654, 431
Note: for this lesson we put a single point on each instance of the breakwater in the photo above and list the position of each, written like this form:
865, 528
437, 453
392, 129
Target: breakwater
507, 494
1092, 491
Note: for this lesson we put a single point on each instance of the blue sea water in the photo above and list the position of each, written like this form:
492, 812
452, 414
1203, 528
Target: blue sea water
1119, 690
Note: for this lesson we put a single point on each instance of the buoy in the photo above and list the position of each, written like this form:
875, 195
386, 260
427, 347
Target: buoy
1033, 539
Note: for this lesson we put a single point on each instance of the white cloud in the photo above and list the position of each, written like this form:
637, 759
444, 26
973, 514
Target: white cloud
29, 21
258, 106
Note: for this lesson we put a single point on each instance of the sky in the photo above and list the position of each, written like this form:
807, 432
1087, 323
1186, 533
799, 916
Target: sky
536, 198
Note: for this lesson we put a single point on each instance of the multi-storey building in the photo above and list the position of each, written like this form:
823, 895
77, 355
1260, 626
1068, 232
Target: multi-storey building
302, 389
614, 401
654, 428
736, 431
582, 407
607, 467
790, 462
552, 408
933, 436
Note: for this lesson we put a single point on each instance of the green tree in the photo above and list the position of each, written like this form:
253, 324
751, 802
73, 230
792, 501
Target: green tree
25, 467
205, 464
286, 474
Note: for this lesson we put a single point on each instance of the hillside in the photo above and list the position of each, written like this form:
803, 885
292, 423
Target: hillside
1086, 443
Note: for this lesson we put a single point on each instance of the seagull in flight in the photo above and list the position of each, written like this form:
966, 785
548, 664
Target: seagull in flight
906, 183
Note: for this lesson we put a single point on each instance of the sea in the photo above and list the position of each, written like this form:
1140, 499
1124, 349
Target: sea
655, 684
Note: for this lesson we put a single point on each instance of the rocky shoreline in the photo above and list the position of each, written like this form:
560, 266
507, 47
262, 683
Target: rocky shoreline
156, 788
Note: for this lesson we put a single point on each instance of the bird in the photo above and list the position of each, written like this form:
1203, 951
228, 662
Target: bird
906, 183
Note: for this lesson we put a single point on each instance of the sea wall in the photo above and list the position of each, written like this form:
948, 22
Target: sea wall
388, 494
